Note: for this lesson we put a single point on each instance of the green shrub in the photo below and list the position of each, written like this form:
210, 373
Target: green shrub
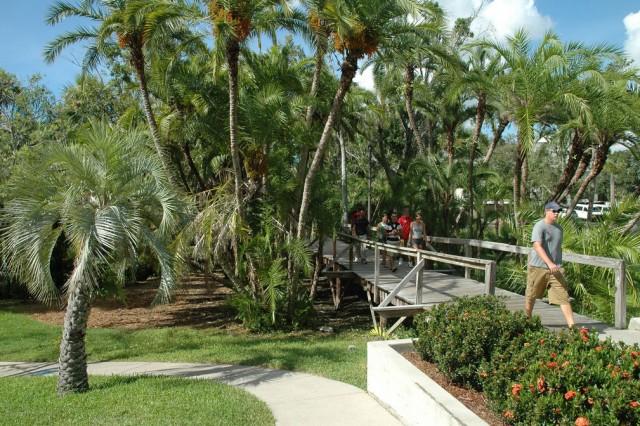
459, 336
565, 378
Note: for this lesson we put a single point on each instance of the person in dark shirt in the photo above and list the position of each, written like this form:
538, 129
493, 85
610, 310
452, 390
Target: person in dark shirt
360, 229
393, 238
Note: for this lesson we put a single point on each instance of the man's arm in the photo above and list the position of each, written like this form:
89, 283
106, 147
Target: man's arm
537, 246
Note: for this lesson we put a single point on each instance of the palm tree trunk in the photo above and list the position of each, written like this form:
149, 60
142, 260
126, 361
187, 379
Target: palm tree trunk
599, 159
137, 58
504, 122
233, 53
186, 151
582, 167
517, 174
525, 178
73, 376
481, 110
450, 135
575, 154
343, 178
313, 92
348, 71
409, 76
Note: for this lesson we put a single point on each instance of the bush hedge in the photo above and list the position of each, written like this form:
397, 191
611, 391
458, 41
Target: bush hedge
459, 336
531, 375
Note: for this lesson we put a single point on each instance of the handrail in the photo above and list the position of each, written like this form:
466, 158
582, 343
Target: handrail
617, 265
488, 266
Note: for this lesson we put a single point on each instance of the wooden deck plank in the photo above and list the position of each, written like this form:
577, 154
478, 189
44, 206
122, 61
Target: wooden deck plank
442, 288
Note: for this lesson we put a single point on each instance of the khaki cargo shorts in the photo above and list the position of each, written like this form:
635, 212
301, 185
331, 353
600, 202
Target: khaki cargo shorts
539, 279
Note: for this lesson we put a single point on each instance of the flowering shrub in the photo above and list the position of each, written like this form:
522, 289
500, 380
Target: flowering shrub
565, 378
459, 336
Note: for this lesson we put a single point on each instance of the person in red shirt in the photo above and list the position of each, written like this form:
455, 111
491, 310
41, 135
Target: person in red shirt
405, 222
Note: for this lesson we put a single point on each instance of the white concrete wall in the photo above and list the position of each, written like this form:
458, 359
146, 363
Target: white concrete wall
409, 393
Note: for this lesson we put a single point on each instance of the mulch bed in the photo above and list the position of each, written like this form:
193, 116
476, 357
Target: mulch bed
471, 398
198, 302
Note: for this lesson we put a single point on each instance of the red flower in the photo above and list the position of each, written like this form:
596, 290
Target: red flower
515, 389
635, 354
569, 395
552, 364
541, 341
541, 384
554, 355
584, 330
634, 404
585, 337
582, 421
598, 348
508, 414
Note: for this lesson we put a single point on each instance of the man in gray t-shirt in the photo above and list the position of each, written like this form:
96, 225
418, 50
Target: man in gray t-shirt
545, 264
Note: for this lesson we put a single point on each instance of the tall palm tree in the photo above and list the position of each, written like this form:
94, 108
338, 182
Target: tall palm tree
409, 51
130, 27
483, 69
615, 118
540, 80
233, 23
107, 197
358, 28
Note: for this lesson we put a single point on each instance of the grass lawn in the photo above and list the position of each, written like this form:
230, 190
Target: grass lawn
130, 401
340, 356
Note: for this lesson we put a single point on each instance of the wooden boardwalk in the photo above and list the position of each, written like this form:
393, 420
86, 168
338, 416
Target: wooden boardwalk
438, 287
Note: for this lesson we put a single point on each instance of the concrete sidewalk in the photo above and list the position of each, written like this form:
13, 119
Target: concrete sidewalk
294, 398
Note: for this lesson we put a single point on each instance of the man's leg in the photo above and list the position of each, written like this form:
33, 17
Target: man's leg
559, 295
528, 306
568, 314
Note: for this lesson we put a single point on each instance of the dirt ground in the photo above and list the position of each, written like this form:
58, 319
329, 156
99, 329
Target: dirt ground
472, 399
197, 303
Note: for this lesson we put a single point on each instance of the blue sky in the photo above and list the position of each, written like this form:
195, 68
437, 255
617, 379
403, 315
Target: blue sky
25, 34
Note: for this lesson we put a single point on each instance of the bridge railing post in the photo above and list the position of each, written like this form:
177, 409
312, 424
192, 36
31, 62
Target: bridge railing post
351, 242
419, 280
467, 253
490, 278
621, 296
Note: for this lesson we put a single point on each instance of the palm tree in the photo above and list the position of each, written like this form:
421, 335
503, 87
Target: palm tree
133, 27
615, 118
358, 28
540, 81
233, 23
479, 78
107, 197
412, 50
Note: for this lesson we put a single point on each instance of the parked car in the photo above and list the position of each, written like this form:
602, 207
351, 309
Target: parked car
597, 211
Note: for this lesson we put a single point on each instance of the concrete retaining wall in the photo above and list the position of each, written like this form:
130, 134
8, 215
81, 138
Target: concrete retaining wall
409, 393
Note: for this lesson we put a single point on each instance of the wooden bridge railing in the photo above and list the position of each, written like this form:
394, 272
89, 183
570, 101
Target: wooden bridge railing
617, 265
488, 266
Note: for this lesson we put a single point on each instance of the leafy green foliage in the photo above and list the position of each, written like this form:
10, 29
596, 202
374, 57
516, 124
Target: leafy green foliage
106, 195
458, 337
558, 378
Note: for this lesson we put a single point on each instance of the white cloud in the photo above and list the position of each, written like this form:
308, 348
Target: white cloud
499, 19
632, 43
365, 79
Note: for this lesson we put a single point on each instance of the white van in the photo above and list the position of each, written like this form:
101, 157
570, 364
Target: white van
598, 209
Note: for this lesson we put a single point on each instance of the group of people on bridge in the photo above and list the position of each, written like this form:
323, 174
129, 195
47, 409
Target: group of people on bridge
392, 229
544, 271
